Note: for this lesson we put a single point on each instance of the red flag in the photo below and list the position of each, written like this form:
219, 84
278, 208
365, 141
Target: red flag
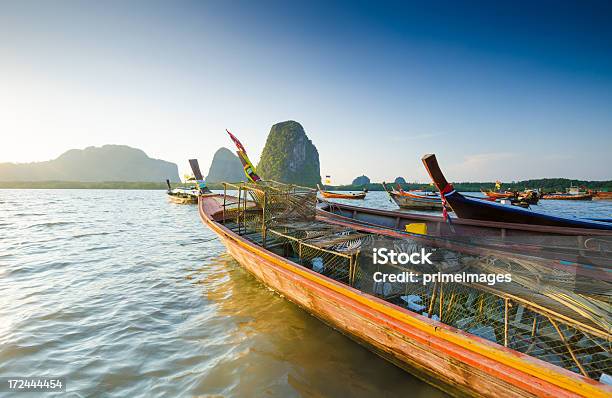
238, 144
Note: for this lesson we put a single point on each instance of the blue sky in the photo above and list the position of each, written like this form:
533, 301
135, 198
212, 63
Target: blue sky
511, 91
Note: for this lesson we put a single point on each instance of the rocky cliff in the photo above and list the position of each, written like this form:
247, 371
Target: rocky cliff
361, 180
106, 163
289, 156
225, 166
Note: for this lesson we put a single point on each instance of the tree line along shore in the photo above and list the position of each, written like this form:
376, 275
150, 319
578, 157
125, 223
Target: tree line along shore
546, 184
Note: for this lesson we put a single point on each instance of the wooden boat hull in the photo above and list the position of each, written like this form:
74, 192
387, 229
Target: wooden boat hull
462, 364
183, 200
407, 200
466, 207
603, 196
499, 195
425, 195
459, 227
568, 197
410, 202
334, 195
331, 195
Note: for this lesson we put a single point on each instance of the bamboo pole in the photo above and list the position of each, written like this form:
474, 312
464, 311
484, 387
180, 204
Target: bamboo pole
433, 299
224, 200
441, 299
506, 309
351, 271
449, 306
535, 325
263, 218
568, 346
238, 209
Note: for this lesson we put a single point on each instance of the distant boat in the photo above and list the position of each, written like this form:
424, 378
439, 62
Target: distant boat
499, 195
530, 196
334, 195
567, 196
602, 196
182, 195
573, 193
466, 207
415, 201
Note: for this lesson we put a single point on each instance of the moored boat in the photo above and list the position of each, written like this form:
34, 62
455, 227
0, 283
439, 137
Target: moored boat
567, 246
182, 195
336, 195
414, 201
273, 234
468, 207
500, 195
572, 193
460, 226
529, 196
567, 196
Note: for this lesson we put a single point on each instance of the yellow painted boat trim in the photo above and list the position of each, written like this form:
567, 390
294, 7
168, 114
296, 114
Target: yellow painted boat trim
417, 228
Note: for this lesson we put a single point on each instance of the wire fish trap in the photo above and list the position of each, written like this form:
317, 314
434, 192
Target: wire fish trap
538, 313
337, 259
260, 205
545, 313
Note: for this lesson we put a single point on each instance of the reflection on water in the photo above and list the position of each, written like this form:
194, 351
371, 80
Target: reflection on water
124, 293
277, 349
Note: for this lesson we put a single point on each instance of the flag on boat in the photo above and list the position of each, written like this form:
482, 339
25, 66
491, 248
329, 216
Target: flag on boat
498, 185
238, 143
249, 169
327, 180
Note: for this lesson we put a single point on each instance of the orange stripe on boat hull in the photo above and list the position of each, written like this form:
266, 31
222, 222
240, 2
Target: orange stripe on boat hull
331, 195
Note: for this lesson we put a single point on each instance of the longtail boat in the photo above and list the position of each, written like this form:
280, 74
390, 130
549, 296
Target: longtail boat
182, 195
465, 339
567, 246
438, 226
472, 208
499, 195
335, 195
530, 196
408, 200
521, 199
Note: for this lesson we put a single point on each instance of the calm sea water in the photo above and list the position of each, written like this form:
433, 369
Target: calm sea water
127, 295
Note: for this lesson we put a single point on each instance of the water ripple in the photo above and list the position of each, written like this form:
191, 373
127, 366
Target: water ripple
126, 295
